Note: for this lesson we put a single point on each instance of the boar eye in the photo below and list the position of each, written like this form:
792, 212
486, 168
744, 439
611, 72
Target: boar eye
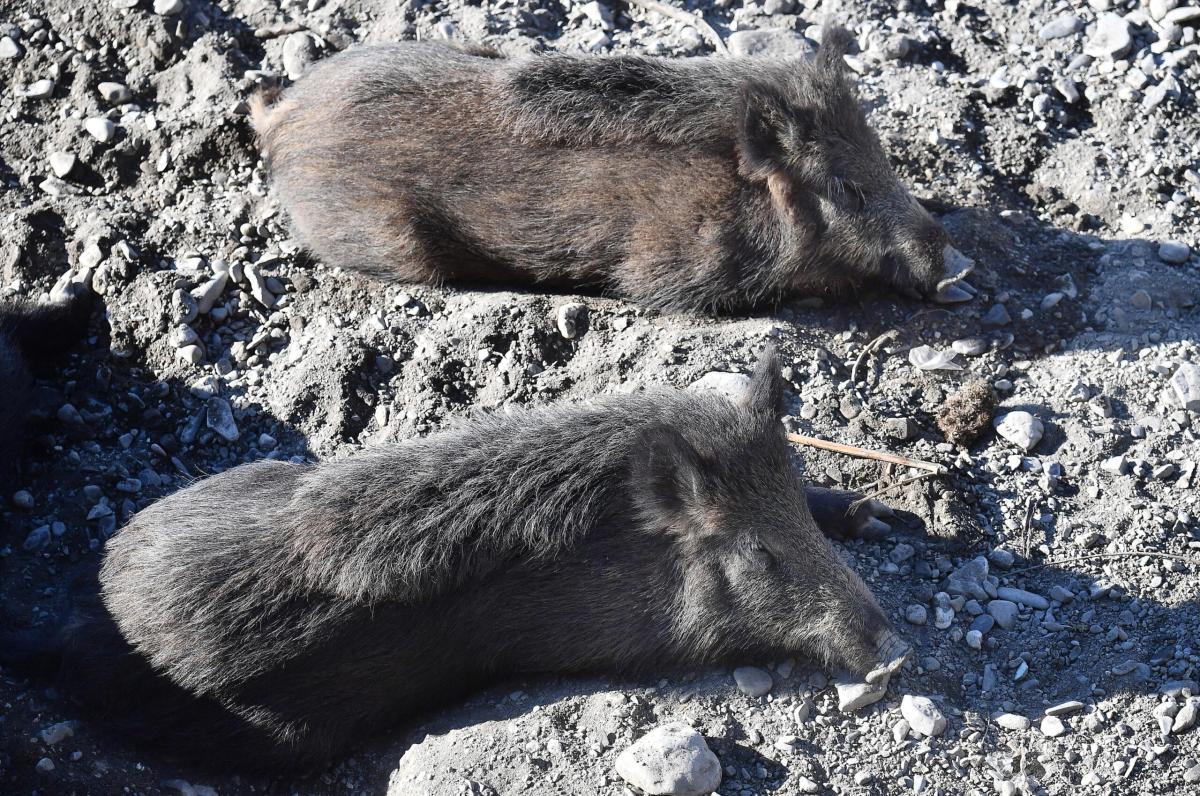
760, 556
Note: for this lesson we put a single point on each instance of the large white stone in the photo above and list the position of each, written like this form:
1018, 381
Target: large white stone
922, 715
671, 760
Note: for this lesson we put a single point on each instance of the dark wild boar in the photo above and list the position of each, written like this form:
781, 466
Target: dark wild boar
31, 335
698, 184
273, 613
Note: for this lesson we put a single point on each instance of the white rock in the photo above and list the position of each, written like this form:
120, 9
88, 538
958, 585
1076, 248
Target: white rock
114, 93
1186, 383
1011, 721
922, 715
731, 385
753, 681
206, 295
929, 358
40, 89
1052, 726
670, 760
1112, 38
571, 318
100, 128
167, 8
1185, 719
1020, 428
9, 49
1065, 708
853, 695
61, 163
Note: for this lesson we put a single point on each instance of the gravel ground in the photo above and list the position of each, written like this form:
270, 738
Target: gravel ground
1063, 140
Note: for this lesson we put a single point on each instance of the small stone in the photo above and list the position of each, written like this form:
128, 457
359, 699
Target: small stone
1112, 38
56, 733
37, 539
916, 614
1052, 726
571, 319
62, 163
1065, 708
9, 49
997, 316
753, 681
40, 89
1011, 721
970, 346
1185, 719
220, 419
258, 285
1186, 384
670, 760
922, 715
1020, 428
968, 579
1140, 300
168, 8
298, 52
191, 354
100, 128
1174, 251
854, 695
731, 385
1061, 26
114, 93
1117, 465
206, 295
23, 499
1004, 612
45, 765
1022, 597
974, 639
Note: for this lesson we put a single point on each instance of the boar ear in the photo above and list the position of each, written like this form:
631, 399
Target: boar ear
765, 393
767, 128
835, 44
668, 474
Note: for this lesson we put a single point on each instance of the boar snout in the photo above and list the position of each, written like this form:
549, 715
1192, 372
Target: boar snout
953, 288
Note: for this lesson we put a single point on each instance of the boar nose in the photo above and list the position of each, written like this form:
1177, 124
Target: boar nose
891, 652
953, 287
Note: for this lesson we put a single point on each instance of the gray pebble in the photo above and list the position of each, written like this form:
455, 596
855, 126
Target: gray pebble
753, 681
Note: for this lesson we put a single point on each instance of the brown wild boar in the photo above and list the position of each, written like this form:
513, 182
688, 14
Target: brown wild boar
272, 614
709, 184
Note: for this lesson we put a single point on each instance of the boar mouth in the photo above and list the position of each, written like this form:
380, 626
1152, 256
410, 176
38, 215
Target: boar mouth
891, 652
954, 288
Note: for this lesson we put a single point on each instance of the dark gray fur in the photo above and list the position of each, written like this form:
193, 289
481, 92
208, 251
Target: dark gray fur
286, 610
698, 183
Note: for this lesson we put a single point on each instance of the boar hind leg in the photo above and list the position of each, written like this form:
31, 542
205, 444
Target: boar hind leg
840, 515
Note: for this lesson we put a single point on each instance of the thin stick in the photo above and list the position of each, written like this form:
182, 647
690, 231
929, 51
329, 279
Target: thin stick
1026, 524
863, 453
687, 18
869, 349
275, 31
890, 487
1128, 554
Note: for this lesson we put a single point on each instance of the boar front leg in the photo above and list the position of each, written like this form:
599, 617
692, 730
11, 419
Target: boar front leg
838, 516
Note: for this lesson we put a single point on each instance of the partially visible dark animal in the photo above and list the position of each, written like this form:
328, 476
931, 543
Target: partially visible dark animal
699, 183
31, 335
270, 615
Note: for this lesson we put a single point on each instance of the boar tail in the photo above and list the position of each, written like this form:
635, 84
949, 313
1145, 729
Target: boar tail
260, 109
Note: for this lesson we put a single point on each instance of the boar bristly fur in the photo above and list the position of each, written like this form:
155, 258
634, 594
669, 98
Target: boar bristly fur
697, 183
303, 606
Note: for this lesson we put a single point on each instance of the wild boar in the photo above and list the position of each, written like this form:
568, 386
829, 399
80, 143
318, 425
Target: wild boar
31, 335
701, 184
272, 614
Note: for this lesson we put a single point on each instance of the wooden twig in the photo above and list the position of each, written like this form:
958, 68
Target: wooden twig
1128, 554
863, 453
1026, 524
869, 349
890, 487
686, 17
